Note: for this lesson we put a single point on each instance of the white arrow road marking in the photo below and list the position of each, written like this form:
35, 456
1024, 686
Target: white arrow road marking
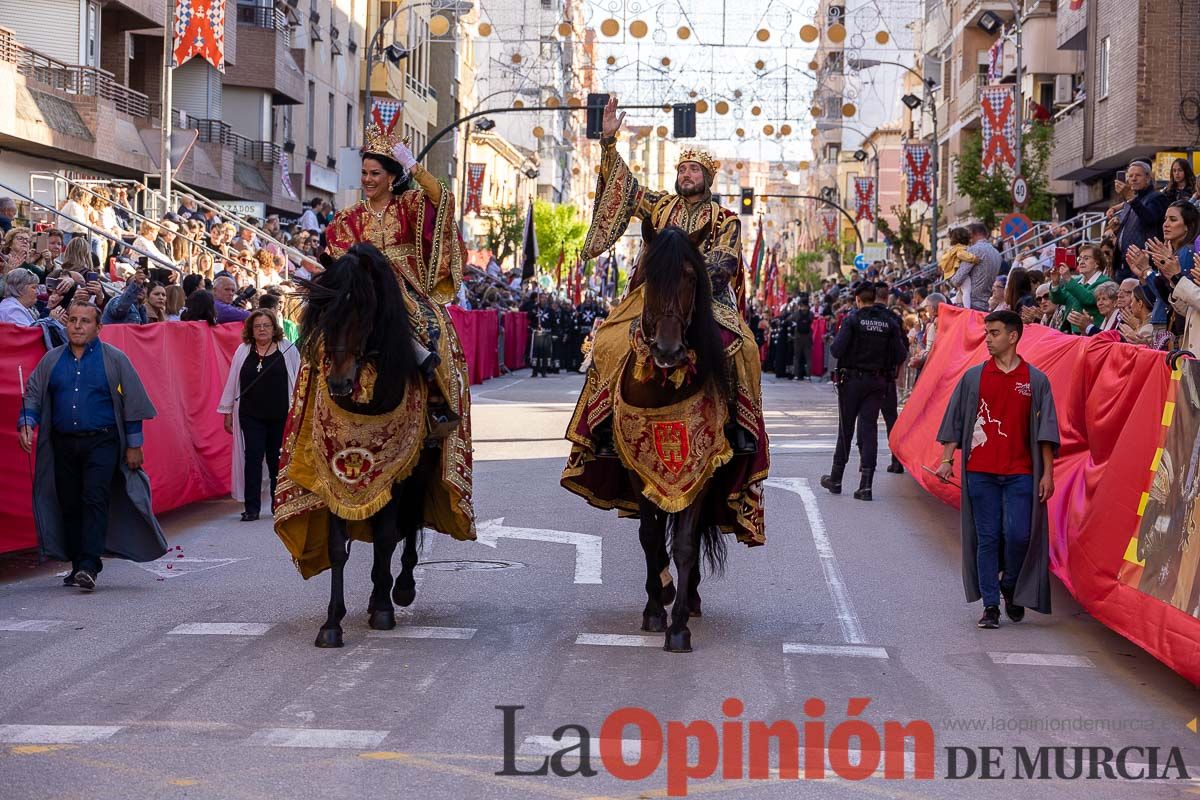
317, 737
852, 630
55, 734
587, 545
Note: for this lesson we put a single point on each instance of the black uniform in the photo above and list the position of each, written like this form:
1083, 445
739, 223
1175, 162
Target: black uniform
869, 347
543, 323
783, 348
802, 342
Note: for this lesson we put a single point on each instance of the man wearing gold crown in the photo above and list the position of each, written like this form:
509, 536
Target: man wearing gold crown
620, 198
415, 229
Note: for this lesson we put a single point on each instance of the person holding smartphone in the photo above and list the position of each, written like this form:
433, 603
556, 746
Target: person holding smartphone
1141, 216
127, 308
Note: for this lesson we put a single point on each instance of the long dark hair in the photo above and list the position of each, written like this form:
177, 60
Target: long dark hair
391, 166
200, 308
1189, 177
670, 250
358, 302
1019, 285
1191, 220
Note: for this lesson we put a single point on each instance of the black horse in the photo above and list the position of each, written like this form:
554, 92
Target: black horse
355, 315
678, 326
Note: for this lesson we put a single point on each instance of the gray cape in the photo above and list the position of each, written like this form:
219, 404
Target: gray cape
958, 424
133, 532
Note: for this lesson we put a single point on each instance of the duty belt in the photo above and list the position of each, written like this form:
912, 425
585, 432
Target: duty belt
847, 372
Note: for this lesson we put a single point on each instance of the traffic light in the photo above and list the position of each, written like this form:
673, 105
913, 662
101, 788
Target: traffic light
685, 120
747, 200
595, 114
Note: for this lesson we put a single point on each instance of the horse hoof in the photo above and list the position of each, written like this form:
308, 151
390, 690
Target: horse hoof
404, 597
382, 620
654, 623
329, 637
679, 641
668, 594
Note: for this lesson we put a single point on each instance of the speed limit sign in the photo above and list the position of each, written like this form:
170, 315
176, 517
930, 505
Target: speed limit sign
1020, 190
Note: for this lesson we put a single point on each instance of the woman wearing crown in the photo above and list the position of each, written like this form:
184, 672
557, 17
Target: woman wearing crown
415, 229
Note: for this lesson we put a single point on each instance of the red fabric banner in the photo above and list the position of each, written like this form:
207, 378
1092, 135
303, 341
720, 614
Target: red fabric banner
199, 31
478, 333
183, 366
1110, 400
516, 340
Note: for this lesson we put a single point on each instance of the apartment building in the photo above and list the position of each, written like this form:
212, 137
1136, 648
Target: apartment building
1136, 68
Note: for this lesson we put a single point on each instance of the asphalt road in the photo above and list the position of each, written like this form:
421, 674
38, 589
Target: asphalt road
201, 680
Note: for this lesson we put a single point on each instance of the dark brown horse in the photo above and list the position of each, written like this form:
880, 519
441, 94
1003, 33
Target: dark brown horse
354, 316
680, 333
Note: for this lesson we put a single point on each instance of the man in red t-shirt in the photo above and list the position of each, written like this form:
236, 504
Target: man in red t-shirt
1002, 416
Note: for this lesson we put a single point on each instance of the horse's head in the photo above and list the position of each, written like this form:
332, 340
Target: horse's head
356, 314
675, 279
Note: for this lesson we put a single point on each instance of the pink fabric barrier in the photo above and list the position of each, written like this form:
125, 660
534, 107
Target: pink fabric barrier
516, 340
478, 333
183, 366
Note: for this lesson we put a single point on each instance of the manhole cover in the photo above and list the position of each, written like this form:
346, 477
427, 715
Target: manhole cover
469, 566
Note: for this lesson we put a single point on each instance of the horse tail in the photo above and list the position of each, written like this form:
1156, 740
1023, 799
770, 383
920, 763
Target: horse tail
714, 549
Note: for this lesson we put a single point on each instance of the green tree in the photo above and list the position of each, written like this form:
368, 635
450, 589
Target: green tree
559, 230
805, 274
991, 195
505, 227
905, 237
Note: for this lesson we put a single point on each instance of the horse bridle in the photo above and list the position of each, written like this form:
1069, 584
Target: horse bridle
673, 313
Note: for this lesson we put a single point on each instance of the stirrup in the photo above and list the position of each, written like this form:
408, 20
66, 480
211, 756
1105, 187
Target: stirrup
740, 440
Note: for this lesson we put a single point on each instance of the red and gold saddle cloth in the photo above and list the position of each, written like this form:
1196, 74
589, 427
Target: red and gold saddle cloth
669, 455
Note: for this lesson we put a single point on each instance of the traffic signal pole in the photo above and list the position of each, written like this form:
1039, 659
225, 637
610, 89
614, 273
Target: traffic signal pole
830, 203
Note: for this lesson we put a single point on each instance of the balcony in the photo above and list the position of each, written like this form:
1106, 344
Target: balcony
72, 79
966, 100
213, 130
265, 57
1066, 154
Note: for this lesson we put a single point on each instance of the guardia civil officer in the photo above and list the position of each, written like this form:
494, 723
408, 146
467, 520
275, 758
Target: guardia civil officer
869, 346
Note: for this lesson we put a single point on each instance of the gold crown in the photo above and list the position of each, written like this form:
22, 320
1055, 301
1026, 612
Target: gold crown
381, 137
700, 157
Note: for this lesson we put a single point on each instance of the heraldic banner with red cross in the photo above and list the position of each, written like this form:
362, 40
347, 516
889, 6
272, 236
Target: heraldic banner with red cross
915, 166
864, 199
474, 188
199, 31
996, 106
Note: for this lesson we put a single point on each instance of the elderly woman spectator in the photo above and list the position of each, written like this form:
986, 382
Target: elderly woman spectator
20, 298
1052, 315
18, 254
1106, 308
926, 331
1135, 326
1125, 294
1078, 293
144, 244
255, 406
999, 288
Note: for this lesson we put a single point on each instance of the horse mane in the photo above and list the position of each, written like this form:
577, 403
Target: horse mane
358, 297
670, 250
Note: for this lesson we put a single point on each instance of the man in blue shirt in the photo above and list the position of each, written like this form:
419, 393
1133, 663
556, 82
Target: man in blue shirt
96, 405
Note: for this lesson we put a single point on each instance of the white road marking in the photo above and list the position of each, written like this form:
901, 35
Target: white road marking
56, 734
31, 625
619, 640
588, 553
173, 566
317, 737
852, 630
221, 628
631, 749
806, 649
1041, 660
422, 632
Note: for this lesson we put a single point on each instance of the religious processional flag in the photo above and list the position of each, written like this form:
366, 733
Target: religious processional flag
199, 30
474, 188
999, 127
577, 277
756, 259
864, 199
285, 175
558, 269
529, 246
770, 281
915, 166
829, 220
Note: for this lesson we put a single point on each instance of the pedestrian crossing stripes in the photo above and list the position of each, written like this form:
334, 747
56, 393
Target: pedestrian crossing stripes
317, 737
221, 629
1041, 660
423, 632
30, 625
619, 640
55, 734
856, 650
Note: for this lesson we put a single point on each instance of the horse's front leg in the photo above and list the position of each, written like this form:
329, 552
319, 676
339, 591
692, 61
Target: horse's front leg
410, 520
685, 547
330, 634
653, 535
384, 535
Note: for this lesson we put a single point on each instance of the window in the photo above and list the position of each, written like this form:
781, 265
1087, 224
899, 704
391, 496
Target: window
349, 125
310, 108
92, 53
332, 151
1102, 69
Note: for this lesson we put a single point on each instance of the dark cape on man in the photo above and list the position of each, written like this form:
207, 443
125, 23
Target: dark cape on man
133, 532
958, 425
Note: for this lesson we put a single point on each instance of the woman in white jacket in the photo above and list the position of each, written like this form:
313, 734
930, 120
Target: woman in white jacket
257, 396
